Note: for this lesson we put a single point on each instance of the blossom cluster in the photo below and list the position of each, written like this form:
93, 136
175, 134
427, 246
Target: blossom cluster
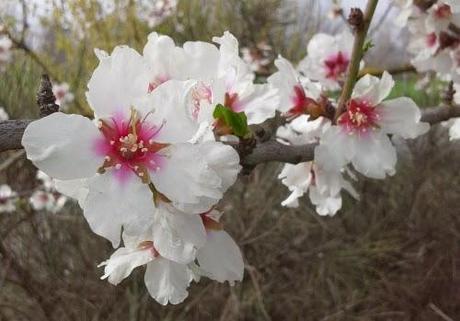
150, 169
434, 28
44, 197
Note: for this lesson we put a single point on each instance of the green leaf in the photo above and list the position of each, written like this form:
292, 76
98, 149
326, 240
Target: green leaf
367, 45
238, 122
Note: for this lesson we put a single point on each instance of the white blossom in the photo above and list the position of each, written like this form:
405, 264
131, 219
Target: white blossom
7, 199
323, 187
361, 134
63, 95
298, 95
167, 279
138, 145
327, 59
43, 200
223, 77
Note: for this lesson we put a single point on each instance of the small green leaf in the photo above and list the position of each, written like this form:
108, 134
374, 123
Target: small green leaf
367, 45
238, 122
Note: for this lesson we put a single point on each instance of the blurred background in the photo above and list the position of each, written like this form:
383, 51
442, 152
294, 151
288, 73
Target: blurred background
391, 256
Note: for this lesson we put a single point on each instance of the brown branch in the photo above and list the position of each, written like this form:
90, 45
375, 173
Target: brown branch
11, 132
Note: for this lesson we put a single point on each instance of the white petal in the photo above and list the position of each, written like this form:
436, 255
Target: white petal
325, 204
63, 146
285, 79
293, 199
337, 148
176, 235
230, 59
375, 156
401, 116
223, 160
167, 281
123, 261
187, 179
297, 176
373, 89
259, 103
118, 82
169, 102
76, 189
111, 204
166, 60
203, 60
221, 258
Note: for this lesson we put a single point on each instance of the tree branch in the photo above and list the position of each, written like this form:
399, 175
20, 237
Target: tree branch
11, 132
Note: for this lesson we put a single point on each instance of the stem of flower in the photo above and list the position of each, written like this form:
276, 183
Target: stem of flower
356, 56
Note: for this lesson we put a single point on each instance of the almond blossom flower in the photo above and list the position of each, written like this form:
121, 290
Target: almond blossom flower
43, 200
5, 51
407, 7
46, 197
138, 146
298, 95
361, 134
327, 59
167, 280
220, 258
3, 114
435, 43
63, 95
223, 77
324, 187
7, 199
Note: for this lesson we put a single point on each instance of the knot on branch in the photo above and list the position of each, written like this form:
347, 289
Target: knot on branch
46, 100
244, 148
356, 18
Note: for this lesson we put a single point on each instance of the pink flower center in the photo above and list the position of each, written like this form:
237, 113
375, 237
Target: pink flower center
431, 39
336, 65
301, 102
359, 118
129, 147
443, 11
